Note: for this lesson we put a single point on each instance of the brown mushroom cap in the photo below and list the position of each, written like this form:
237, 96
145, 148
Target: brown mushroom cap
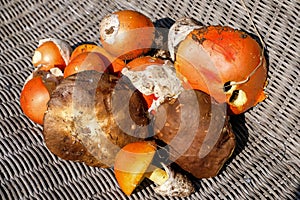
197, 132
91, 115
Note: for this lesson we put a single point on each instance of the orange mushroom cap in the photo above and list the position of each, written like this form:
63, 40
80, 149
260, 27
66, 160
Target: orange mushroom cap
131, 162
211, 57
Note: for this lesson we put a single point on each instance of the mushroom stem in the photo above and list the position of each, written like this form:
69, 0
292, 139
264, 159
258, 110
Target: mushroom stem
158, 176
171, 183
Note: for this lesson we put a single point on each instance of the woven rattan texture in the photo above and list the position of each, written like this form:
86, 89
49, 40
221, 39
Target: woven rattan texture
266, 162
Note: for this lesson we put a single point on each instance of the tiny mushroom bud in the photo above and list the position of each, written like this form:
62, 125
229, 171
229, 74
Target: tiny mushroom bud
34, 98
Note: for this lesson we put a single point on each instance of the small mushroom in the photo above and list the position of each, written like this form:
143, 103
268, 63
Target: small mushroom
51, 52
133, 164
36, 92
110, 61
127, 34
85, 61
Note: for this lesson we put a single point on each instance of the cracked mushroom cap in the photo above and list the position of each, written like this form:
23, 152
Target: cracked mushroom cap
196, 130
91, 115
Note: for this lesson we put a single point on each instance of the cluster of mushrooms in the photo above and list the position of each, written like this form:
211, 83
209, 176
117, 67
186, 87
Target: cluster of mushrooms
155, 113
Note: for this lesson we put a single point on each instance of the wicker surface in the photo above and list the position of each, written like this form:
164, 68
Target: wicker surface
266, 163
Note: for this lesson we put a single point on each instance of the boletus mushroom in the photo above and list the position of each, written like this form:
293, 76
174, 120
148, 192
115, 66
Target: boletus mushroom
91, 115
196, 131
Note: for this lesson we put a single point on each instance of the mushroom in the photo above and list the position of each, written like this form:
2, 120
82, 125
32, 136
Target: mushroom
196, 132
193, 125
127, 34
50, 53
91, 115
110, 61
215, 59
133, 164
36, 92
85, 61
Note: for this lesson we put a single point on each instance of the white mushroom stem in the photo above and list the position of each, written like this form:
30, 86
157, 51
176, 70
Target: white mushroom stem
158, 176
171, 183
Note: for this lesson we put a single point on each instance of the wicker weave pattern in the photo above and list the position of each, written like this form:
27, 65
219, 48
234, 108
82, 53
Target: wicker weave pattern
266, 162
